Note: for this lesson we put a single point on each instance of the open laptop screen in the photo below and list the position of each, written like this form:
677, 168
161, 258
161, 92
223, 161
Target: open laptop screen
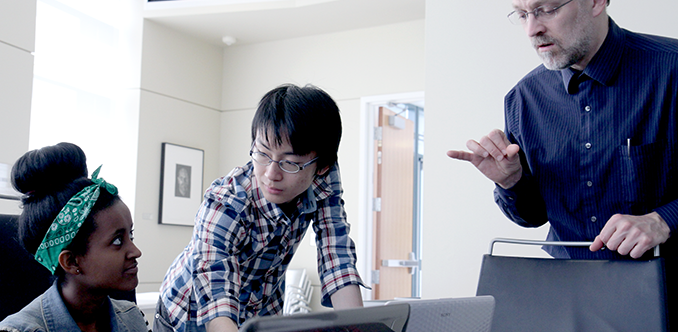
467, 314
392, 318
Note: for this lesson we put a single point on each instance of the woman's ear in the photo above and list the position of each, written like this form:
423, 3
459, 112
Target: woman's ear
69, 262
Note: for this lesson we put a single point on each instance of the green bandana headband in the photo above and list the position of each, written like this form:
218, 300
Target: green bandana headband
66, 225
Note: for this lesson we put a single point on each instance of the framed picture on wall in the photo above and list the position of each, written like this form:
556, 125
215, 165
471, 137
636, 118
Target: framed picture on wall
181, 176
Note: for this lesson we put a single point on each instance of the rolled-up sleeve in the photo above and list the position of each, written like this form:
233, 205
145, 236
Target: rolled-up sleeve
336, 250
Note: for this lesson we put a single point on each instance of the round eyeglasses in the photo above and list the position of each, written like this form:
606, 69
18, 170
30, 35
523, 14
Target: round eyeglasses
285, 165
541, 13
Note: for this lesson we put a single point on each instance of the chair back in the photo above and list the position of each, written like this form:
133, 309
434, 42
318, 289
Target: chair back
22, 277
568, 295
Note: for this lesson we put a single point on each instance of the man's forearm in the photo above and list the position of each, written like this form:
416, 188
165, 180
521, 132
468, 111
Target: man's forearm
347, 297
221, 324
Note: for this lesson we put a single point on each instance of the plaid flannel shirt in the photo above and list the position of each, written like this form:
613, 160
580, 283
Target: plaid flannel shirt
235, 264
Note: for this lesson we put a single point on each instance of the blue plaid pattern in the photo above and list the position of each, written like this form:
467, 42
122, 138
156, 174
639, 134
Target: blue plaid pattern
235, 264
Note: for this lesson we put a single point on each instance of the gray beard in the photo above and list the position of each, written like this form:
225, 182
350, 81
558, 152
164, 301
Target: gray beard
552, 62
572, 55
568, 57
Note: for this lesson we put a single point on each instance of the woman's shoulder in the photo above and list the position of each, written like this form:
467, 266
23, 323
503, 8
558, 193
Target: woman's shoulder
28, 319
19, 323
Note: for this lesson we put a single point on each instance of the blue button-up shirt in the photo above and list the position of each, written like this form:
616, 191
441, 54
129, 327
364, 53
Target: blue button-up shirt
596, 143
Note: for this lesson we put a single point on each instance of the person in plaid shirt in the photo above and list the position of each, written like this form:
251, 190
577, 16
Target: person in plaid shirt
252, 221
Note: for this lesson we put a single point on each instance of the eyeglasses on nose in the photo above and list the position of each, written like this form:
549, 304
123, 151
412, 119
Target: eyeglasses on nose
285, 165
541, 13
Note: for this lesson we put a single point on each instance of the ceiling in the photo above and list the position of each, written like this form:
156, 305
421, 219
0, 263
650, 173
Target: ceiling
256, 21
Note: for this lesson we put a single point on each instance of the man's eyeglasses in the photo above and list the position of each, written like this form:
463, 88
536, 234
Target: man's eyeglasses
541, 13
285, 165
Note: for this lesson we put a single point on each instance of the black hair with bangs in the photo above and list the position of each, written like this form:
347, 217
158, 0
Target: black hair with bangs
306, 116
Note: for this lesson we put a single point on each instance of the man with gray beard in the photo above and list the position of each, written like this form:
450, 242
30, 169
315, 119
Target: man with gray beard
591, 136
590, 143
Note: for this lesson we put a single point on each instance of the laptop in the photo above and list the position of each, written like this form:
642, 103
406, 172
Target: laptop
466, 314
392, 318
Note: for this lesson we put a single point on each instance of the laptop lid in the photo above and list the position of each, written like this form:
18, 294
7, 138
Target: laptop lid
391, 318
468, 314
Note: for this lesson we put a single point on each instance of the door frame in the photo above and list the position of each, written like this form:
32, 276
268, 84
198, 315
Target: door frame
368, 109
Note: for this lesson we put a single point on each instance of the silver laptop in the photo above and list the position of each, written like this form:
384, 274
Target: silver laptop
382, 318
466, 314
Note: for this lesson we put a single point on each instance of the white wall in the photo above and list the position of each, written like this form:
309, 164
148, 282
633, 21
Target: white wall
17, 41
348, 65
180, 99
86, 79
381, 60
474, 56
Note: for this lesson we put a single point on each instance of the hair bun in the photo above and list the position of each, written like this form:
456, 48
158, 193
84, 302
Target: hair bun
49, 169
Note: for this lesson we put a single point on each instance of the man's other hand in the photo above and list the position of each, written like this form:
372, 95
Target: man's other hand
632, 235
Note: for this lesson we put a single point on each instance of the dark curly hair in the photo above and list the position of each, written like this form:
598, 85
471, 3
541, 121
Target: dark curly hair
48, 177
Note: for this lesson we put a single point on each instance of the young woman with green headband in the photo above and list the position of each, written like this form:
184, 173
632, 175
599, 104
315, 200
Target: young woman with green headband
79, 229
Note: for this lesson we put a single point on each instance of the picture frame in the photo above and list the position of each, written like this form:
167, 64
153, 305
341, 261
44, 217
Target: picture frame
181, 184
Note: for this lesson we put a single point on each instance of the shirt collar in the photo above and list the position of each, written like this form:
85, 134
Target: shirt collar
320, 189
56, 315
604, 66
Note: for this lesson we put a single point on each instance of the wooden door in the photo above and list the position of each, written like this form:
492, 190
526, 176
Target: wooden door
393, 177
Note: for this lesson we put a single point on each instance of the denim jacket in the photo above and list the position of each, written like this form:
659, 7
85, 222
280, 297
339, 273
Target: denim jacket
48, 313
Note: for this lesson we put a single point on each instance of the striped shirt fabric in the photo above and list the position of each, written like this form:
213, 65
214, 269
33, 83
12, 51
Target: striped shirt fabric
596, 143
235, 264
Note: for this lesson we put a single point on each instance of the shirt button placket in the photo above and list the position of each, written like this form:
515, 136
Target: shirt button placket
588, 146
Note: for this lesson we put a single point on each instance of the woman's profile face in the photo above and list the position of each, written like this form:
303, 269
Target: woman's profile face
111, 259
